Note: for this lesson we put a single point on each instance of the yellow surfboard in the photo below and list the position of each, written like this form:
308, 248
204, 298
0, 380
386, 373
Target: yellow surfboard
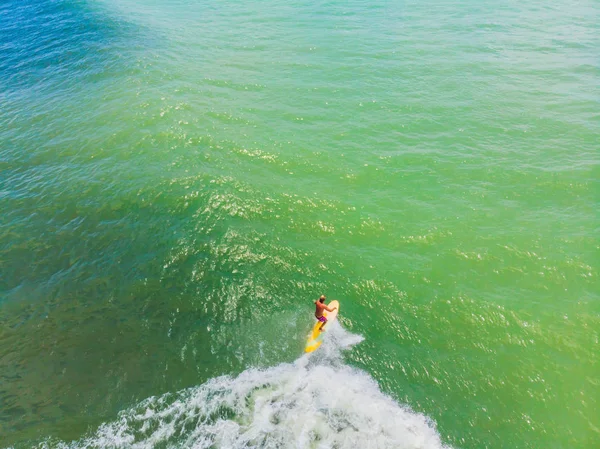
315, 338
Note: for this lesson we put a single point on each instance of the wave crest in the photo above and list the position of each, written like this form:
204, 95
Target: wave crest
315, 402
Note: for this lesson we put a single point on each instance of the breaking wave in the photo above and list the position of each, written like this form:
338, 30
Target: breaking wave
315, 402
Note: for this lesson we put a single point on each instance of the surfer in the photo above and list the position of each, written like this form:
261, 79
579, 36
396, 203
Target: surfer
320, 307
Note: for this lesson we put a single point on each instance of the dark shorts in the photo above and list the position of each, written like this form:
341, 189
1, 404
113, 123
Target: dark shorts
322, 319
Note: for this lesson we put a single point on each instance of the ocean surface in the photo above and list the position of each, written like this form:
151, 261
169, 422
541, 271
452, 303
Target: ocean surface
180, 180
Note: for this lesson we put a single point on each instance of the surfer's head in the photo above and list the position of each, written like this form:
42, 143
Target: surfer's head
322, 299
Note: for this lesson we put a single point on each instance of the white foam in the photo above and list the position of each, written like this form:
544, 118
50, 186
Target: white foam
316, 402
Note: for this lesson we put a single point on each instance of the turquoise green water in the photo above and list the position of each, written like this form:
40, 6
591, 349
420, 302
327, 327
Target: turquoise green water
179, 181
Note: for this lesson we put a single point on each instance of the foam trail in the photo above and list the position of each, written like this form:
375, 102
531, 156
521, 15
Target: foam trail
286, 406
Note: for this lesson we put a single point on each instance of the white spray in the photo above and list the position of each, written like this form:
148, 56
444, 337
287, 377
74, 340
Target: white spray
316, 402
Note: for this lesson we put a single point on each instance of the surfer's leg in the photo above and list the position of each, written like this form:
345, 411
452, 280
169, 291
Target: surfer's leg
324, 321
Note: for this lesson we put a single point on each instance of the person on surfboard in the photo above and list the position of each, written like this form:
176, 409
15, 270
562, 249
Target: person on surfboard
320, 307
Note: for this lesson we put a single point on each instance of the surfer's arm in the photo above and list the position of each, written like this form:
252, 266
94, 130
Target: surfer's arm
330, 310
